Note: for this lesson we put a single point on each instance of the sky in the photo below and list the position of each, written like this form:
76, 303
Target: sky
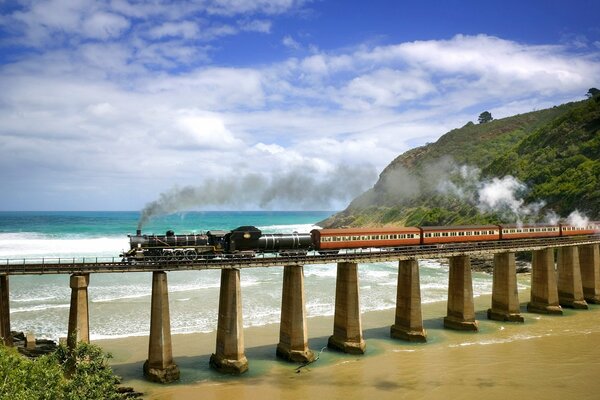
108, 105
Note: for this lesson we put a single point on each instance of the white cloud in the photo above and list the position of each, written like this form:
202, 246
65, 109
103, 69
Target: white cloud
126, 120
232, 7
257, 25
204, 131
184, 29
104, 25
387, 88
290, 42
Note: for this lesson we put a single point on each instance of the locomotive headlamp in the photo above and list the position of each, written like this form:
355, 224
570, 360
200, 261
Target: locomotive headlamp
247, 235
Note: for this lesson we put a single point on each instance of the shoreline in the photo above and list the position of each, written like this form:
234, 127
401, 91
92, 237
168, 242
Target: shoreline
379, 369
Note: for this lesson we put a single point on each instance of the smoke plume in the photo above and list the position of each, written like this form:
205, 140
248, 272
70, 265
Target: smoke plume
503, 196
308, 189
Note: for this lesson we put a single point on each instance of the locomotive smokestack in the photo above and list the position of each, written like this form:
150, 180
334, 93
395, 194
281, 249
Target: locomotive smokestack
138, 232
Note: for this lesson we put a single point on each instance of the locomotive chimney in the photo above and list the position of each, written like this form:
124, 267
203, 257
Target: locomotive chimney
138, 232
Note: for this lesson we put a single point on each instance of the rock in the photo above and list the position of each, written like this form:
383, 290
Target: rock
127, 392
31, 347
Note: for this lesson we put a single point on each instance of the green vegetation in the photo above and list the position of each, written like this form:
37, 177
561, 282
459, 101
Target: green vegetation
484, 117
554, 152
560, 161
81, 374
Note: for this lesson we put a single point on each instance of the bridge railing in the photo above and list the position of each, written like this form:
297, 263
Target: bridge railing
59, 260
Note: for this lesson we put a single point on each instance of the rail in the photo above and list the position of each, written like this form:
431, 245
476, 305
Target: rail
38, 266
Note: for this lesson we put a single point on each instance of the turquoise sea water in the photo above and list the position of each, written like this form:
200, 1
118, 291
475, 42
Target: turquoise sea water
120, 302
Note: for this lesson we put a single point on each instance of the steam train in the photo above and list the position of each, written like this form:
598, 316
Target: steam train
247, 241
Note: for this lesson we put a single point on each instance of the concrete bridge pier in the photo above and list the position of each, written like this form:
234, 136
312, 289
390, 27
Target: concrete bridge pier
79, 317
5, 335
229, 356
589, 261
461, 309
347, 330
505, 296
160, 366
293, 334
544, 292
570, 288
409, 319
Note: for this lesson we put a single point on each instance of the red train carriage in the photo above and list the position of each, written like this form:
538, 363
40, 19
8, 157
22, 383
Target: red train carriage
529, 231
352, 238
454, 234
590, 228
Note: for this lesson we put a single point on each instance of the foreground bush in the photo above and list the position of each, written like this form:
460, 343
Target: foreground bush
80, 374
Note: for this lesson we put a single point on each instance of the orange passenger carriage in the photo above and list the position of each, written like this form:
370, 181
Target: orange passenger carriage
590, 228
354, 238
526, 231
456, 234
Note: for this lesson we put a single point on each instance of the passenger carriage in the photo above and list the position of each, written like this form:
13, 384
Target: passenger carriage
354, 238
591, 228
457, 234
527, 231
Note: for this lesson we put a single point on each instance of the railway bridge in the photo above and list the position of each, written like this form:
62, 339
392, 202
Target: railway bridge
565, 273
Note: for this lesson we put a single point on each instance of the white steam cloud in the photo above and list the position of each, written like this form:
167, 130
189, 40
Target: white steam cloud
577, 219
503, 196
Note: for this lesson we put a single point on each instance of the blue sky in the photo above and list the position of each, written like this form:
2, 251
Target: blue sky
104, 105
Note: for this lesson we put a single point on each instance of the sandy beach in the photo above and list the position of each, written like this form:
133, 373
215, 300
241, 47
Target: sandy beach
550, 357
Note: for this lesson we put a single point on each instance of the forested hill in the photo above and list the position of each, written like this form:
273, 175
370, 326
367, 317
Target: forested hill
523, 168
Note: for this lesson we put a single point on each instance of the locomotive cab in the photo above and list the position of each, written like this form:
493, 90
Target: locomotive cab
217, 239
243, 238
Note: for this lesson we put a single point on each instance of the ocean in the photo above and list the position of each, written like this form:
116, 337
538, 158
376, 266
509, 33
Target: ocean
120, 302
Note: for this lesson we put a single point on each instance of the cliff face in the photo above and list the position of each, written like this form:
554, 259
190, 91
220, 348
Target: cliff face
551, 157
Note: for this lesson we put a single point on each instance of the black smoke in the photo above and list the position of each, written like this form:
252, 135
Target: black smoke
309, 189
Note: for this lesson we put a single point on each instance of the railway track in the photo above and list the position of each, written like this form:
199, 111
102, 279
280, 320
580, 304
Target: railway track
84, 265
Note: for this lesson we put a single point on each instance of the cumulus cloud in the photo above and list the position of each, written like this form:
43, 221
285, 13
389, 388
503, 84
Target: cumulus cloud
203, 131
387, 88
184, 29
104, 25
149, 111
289, 41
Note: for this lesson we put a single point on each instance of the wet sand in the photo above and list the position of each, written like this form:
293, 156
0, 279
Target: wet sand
550, 357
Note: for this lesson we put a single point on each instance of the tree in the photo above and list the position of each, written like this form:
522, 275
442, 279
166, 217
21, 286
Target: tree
484, 117
592, 92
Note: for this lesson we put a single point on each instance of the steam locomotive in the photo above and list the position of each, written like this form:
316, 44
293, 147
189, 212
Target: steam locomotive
244, 241
247, 241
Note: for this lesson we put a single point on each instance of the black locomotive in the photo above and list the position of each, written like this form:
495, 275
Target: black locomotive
244, 241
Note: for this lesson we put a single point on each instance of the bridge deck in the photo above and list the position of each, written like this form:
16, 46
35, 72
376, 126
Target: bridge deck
108, 265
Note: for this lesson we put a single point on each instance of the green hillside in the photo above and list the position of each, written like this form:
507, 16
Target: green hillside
554, 152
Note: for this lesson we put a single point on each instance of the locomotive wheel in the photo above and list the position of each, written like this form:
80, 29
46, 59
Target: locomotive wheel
191, 255
164, 256
178, 255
